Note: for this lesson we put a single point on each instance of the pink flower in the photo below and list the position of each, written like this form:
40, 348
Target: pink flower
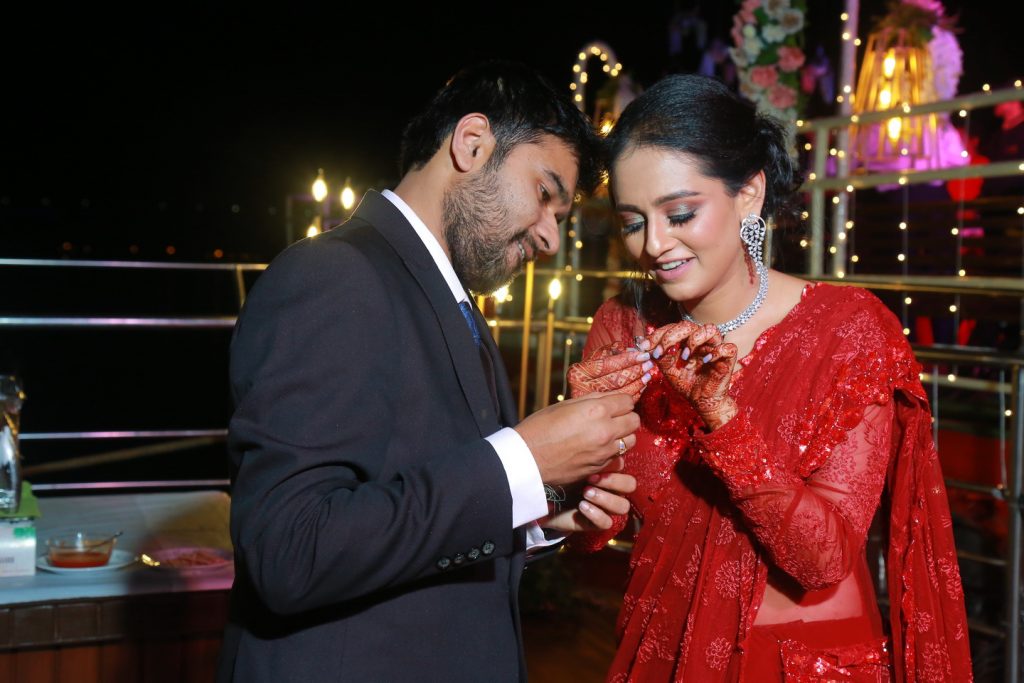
746, 12
782, 96
764, 76
790, 58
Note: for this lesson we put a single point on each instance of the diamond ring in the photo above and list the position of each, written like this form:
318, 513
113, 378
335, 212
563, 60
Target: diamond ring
622, 446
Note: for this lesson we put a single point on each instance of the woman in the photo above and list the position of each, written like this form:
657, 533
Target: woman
757, 478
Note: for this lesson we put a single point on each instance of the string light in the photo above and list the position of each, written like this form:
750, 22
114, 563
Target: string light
835, 200
986, 87
906, 331
803, 244
903, 180
844, 16
841, 236
951, 377
814, 176
579, 278
1009, 413
579, 244
901, 258
952, 308
962, 273
908, 301
903, 225
807, 146
840, 274
832, 250
846, 35
963, 113
849, 188
855, 258
857, 42
854, 119
849, 225
955, 232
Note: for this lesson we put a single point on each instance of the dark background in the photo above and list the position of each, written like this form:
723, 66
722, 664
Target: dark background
188, 125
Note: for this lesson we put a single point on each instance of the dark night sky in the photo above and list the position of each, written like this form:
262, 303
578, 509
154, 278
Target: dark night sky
146, 126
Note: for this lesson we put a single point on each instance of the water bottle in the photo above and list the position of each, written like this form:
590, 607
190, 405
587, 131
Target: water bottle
11, 399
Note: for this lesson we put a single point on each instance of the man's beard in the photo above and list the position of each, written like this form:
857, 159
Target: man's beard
476, 226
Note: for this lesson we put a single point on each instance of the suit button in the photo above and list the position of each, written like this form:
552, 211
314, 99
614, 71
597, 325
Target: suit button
487, 548
459, 558
474, 554
444, 563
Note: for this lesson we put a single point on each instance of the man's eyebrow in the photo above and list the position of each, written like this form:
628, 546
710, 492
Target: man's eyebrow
557, 180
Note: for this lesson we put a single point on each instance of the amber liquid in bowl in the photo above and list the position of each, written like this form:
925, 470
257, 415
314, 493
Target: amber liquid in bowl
79, 559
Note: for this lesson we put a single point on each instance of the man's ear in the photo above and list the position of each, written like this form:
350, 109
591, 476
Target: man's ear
472, 143
751, 195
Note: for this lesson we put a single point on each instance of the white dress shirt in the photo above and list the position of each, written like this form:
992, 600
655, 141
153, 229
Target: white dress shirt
529, 502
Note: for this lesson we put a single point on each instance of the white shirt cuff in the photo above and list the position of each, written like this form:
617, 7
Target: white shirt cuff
528, 499
536, 538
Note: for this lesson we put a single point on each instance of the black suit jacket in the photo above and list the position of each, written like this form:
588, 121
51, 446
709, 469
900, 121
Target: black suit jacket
371, 520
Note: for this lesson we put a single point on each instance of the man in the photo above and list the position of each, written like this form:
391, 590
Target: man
381, 501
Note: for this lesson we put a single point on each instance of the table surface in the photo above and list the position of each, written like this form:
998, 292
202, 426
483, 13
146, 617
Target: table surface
151, 521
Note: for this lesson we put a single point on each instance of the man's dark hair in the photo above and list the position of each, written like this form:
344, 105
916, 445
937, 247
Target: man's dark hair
521, 107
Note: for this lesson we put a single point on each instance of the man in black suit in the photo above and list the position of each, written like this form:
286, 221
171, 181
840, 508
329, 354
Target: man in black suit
384, 497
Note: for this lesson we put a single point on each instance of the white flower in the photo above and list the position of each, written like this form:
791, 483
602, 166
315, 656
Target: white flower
773, 33
739, 57
773, 8
791, 21
753, 46
749, 30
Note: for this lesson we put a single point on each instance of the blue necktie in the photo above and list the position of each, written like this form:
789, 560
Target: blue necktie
467, 313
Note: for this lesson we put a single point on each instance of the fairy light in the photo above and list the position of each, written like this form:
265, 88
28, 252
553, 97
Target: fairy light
1009, 413
951, 377
799, 123
579, 278
814, 176
854, 119
805, 215
962, 273
908, 301
849, 225
849, 188
576, 68
855, 258
952, 308
803, 244
572, 86
846, 35
590, 320
1020, 210
847, 89
903, 180
568, 341
840, 274
833, 152
903, 225
807, 146
986, 87
857, 42
835, 200
844, 16
606, 68
901, 258
1016, 83
832, 250
963, 113
841, 236
839, 99
906, 331
954, 232
579, 244
560, 398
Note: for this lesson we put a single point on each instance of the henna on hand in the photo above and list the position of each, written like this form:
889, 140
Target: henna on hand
613, 368
704, 382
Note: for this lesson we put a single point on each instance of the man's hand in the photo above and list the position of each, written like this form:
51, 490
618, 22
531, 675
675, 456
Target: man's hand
574, 439
614, 368
605, 497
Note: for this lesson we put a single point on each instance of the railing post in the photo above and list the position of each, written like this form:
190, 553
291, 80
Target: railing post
1013, 561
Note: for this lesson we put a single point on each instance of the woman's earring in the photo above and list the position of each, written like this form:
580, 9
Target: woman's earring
752, 232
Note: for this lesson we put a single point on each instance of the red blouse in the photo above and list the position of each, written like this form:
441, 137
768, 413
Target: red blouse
831, 413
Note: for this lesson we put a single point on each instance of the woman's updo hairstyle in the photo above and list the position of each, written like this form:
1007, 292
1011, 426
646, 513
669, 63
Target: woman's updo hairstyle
724, 133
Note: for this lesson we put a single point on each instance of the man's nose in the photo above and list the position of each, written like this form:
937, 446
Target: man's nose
548, 233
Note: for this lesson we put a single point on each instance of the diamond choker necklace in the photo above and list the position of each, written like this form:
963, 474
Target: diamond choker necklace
749, 311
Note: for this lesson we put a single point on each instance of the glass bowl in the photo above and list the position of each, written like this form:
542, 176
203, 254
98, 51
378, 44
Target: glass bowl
80, 549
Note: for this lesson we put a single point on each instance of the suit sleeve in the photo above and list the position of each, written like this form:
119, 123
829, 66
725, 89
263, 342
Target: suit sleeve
316, 398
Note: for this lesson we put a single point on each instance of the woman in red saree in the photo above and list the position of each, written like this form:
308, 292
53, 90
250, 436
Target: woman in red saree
775, 415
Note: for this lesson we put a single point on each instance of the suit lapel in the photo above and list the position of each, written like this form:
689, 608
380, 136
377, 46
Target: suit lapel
465, 356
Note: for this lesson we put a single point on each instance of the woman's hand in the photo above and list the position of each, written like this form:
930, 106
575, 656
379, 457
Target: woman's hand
605, 497
699, 365
614, 368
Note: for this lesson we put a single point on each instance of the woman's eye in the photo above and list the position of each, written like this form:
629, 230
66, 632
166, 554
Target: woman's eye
545, 196
630, 228
680, 219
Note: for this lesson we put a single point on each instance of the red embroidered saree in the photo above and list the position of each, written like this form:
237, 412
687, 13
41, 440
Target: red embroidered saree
832, 413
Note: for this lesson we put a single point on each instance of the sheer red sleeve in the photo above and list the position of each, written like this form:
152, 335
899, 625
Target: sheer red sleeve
813, 528
612, 323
